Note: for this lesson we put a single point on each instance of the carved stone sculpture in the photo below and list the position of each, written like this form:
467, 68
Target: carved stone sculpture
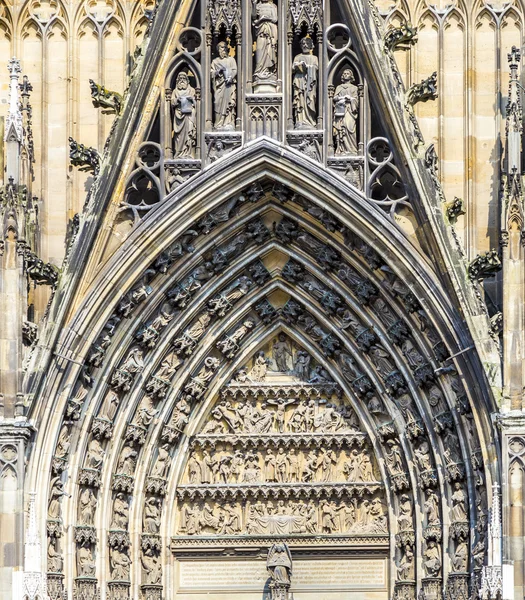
224, 80
188, 340
88, 159
151, 518
183, 103
265, 35
401, 37
162, 464
460, 558
198, 384
56, 494
123, 376
225, 300
305, 67
259, 368
485, 265
423, 91
346, 108
120, 516
95, 455
152, 567
111, 102
281, 353
120, 564
230, 344
85, 562
55, 563
279, 565
86, 507
459, 499
405, 568
127, 461
432, 559
431, 508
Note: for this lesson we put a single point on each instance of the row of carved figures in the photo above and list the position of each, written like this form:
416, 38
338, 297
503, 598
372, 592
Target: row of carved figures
281, 415
279, 467
304, 90
284, 518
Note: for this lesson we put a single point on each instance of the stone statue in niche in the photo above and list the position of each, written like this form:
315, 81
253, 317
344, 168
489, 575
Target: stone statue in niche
183, 103
54, 558
189, 339
422, 455
393, 458
85, 562
151, 517
64, 441
404, 519
162, 464
459, 499
281, 353
224, 301
86, 507
224, 80
145, 413
259, 368
151, 566
120, 564
346, 108
230, 344
110, 406
405, 569
279, 564
432, 559
264, 17
120, 512
55, 498
305, 67
431, 508
127, 461
460, 559
95, 455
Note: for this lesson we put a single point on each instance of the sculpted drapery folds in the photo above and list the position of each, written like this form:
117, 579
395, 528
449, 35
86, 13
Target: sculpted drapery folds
265, 26
224, 81
346, 107
183, 103
305, 67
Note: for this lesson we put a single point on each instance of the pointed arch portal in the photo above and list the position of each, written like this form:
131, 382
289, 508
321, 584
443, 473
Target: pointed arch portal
259, 351
277, 370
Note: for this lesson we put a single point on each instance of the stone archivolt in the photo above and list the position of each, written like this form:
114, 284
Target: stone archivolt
356, 339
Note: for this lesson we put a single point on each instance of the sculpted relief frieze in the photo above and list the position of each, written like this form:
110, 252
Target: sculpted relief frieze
281, 453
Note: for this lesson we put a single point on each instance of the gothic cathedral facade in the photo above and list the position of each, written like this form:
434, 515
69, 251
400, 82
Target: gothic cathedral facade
262, 289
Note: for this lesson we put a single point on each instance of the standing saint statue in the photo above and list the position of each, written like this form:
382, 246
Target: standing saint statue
279, 565
305, 67
224, 78
265, 24
184, 117
346, 105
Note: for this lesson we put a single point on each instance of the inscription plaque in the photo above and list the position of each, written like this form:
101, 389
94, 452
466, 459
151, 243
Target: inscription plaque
339, 574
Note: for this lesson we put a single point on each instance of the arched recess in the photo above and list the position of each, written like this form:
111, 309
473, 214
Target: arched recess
320, 264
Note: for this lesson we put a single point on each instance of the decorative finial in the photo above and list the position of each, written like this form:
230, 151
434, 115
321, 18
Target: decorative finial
14, 128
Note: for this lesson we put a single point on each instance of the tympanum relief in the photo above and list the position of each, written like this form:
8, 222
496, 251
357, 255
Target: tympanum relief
281, 452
